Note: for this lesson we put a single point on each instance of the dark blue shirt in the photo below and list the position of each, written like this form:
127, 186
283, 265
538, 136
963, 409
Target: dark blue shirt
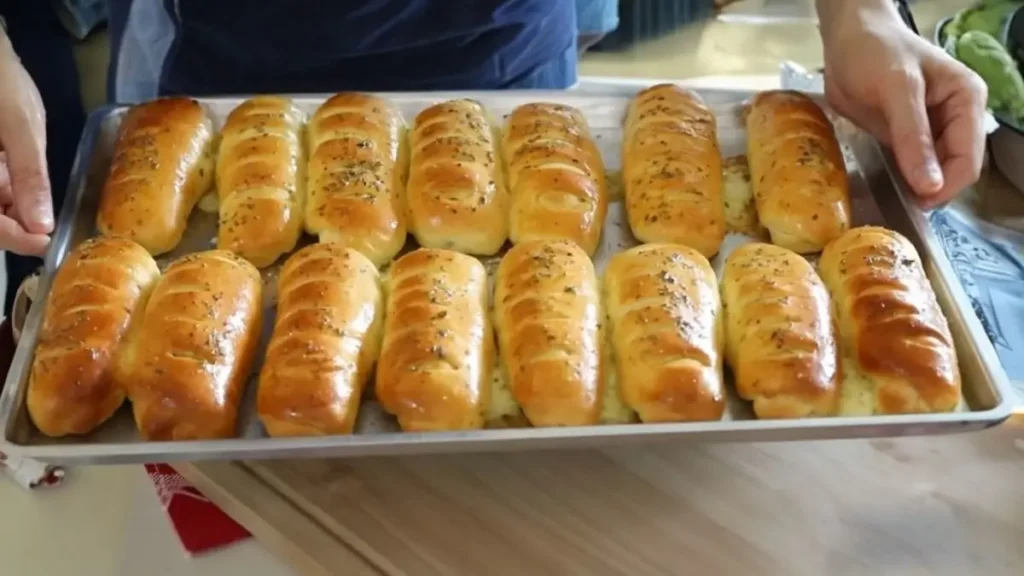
243, 46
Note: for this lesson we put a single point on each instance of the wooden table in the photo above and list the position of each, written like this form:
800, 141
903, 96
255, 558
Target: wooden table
937, 506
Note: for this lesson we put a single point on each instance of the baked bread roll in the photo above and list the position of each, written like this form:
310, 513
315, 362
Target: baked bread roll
547, 317
325, 342
186, 365
102, 284
434, 372
162, 165
665, 316
797, 170
357, 170
456, 194
555, 176
261, 179
897, 352
672, 170
780, 339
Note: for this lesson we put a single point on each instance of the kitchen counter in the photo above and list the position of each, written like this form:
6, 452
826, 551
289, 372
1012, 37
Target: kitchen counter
107, 521
941, 506
928, 506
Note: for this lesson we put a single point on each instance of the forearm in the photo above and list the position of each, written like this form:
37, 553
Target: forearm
835, 16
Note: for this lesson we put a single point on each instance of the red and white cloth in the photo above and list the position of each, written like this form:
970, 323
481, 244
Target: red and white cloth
200, 524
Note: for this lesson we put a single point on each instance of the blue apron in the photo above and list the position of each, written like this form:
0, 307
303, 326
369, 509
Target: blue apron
203, 47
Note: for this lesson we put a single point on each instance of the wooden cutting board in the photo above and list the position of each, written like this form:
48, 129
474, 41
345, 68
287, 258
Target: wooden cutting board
936, 506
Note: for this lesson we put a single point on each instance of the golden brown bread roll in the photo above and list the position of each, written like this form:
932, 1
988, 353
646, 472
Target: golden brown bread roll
186, 365
434, 371
456, 195
357, 170
672, 170
162, 166
896, 349
261, 180
797, 170
547, 318
780, 339
555, 176
325, 341
666, 330
102, 284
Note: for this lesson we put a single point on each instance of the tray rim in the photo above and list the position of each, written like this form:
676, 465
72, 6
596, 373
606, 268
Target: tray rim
495, 439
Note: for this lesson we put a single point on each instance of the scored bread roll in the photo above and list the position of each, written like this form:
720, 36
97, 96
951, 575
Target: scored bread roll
186, 364
897, 352
325, 341
780, 338
672, 170
797, 170
547, 318
358, 162
434, 370
162, 165
666, 331
556, 178
101, 286
456, 194
261, 183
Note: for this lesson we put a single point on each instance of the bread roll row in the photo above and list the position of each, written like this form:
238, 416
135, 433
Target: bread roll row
884, 348
672, 171
353, 176
178, 345
650, 338
455, 183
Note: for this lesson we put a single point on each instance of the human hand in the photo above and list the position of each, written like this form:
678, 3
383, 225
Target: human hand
26, 207
911, 95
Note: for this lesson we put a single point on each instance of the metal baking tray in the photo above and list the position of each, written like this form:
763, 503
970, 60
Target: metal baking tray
877, 198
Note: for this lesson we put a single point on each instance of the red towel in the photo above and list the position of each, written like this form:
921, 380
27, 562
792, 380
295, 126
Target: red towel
200, 525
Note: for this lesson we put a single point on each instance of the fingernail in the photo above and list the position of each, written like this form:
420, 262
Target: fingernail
930, 176
44, 217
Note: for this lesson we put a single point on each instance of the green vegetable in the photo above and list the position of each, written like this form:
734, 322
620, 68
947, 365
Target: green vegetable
989, 16
985, 55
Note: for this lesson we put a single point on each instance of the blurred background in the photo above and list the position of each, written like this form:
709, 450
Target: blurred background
688, 38
655, 38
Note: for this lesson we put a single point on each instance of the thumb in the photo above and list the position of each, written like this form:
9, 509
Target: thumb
30, 183
911, 135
